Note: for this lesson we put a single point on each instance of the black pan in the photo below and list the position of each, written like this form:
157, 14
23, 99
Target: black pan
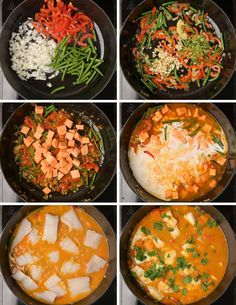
28, 191
15, 288
212, 88
231, 163
210, 299
33, 89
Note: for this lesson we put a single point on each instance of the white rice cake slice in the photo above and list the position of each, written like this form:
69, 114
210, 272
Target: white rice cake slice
34, 236
176, 232
69, 267
36, 272
54, 256
79, 285
50, 228
25, 281
190, 218
26, 259
71, 219
95, 264
46, 296
92, 239
24, 229
170, 220
68, 245
155, 293
55, 284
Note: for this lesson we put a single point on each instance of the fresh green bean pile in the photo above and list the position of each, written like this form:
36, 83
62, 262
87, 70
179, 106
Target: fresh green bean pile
82, 62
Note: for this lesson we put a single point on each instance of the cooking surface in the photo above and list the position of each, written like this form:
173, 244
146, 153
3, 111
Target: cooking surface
228, 297
229, 195
229, 91
7, 93
6, 109
7, 297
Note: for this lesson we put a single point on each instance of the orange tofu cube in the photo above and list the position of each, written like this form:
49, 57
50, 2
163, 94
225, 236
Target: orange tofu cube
25, 130
69, 159
157, 117
50, 134
28, 141
47, 190
69, 136
75, 174
221, 160
165, 109
68, 123
77, 137
175, 195
38, 109
212, 172
76, 162
37, 157
59, 176
75, 152
84, 150
62, 145
212, 184
79, 127
181, 111
54, 174
71, 143
55, 143
61, 130
85, 140
168, 194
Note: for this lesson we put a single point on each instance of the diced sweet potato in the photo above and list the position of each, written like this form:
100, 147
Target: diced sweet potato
61, 130
37, 157
221, 160
75, 152
76, 162
49, 174
69, 159
181, 111
38, 109
194, 188
168, 194
71, 143
25, 130
63, 163
165, 109
70, 150
28, 141
85, 140
54, 174
36, 144
65, 170
47, 190
195, 114
84, 150
144, 135
62, 145
37, 135
175, 195
77, 137
75, 174
60, 175
207, 128
55, 143
157, 117
62, 154
212, 184
79, 127
40, 128
212, 172
73, 131
202, 118
69, 136
68, 123
50, 134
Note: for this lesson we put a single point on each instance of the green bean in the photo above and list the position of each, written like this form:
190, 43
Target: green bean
98, 71
171, 121
207, 77
168, 3
167, 13
222, 41
58, 89
49, 109
93, 179
176, 75
147, 85
91, 77
192, 134
215, 78
38, 118
91, 45
143, 41
203, 21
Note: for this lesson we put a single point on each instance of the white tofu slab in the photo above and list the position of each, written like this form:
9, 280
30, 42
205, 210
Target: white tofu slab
68, 245
69, 267
25, 259
92, 239
34, 236
54, 256
47, 296
24, 229
71, 219
25, 280
78, 285
55, 284
36, 272
50, 228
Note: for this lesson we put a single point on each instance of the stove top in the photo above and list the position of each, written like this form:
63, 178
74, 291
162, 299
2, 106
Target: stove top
229, 297
229, 92
8, 298
6, 91
229, 195
6, 193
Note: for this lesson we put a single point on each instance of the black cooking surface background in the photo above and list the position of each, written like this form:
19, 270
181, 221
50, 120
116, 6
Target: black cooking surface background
229, 212
109, 298
109, 6
229, 7
229, 109
109, 195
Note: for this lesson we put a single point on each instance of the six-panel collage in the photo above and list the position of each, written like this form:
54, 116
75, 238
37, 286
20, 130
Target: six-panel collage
118, 152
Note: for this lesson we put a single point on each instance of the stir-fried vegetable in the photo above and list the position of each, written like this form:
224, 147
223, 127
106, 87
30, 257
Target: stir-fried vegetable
58, 152
177, 48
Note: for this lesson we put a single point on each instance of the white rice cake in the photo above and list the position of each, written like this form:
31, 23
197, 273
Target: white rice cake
95, 264
46, 296
68, 245
24, 229
79, 285
50, 228
71, 219
92, 239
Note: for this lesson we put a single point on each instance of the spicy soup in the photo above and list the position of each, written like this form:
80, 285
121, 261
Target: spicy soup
178, 152
59, 254
178, 254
